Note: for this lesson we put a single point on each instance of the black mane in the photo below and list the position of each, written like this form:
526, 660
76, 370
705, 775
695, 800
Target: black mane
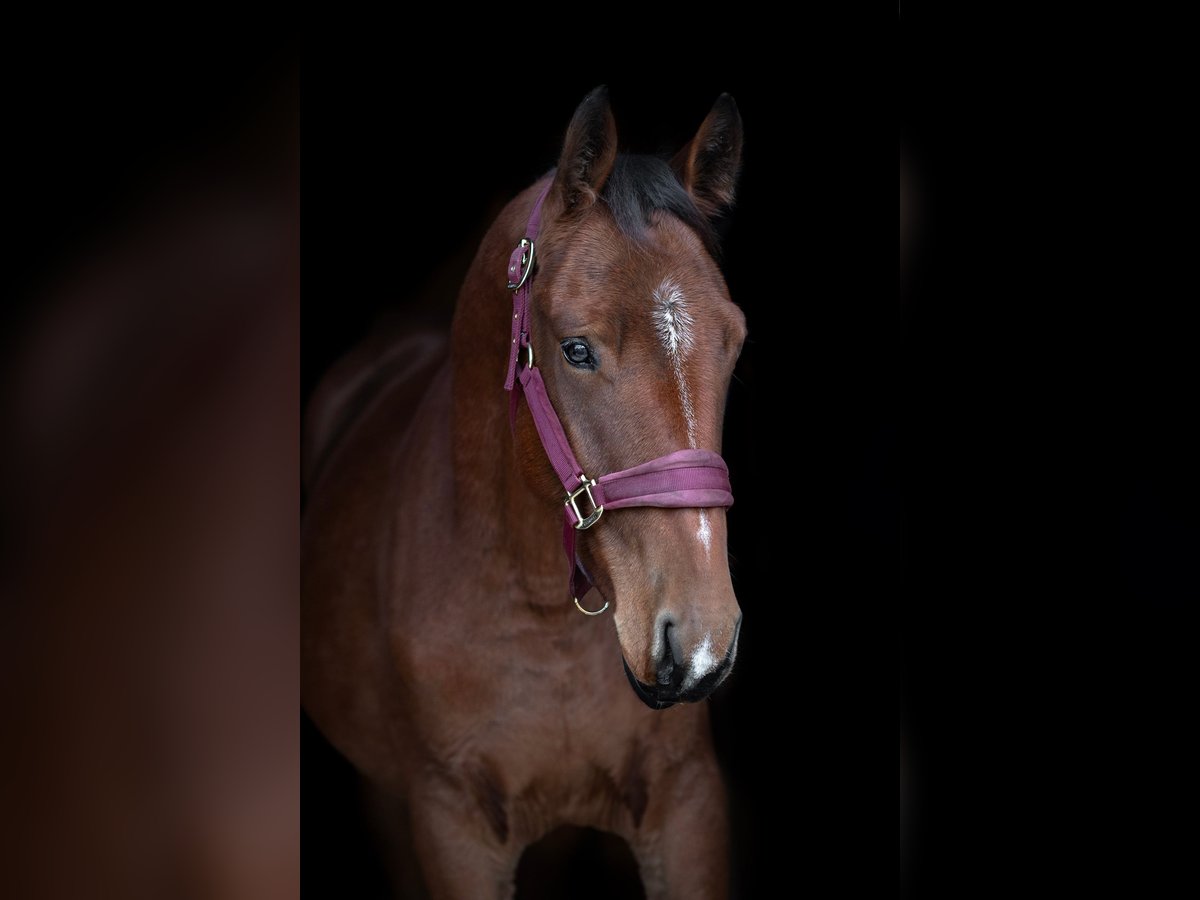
640, 185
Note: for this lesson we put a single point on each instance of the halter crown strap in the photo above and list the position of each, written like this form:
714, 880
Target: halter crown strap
683, 479
520, 277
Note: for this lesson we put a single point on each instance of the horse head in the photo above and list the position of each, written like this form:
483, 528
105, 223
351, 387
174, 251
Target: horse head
636, 337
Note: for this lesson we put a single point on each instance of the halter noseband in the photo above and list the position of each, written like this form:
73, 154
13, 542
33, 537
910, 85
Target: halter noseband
683, 479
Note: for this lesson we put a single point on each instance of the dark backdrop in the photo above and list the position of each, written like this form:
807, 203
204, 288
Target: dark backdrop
1048, 464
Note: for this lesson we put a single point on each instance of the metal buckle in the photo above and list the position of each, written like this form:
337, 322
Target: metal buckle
582, 523
526, 264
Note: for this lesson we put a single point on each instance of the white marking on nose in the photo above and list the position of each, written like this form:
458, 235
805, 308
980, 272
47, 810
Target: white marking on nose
703, 661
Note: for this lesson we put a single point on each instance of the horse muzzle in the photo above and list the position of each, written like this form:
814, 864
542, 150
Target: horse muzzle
678, 680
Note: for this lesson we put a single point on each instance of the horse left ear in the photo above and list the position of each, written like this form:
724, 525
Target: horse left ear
589, 151
708, 166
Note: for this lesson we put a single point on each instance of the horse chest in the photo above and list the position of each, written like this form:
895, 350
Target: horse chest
544, 769
546, 723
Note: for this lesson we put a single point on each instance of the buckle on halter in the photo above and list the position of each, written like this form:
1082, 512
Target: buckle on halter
582, 523
520, 264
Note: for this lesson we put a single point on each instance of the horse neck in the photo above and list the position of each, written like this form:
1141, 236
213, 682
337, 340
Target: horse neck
487, 479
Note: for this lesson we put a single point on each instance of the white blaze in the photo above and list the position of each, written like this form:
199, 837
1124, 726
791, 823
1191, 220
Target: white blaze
704, 534
674, 324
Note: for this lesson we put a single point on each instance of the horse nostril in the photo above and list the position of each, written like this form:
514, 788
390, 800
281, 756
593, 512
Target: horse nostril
670, 658
673, 643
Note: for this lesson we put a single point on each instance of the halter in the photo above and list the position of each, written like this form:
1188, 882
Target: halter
683, 479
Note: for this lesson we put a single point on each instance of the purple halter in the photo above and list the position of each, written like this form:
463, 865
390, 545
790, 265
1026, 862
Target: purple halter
684, 479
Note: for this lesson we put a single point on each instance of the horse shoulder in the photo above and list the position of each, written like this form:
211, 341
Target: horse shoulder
374, 418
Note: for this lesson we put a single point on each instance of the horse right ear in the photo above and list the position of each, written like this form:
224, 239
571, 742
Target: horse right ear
589, 151
708, 166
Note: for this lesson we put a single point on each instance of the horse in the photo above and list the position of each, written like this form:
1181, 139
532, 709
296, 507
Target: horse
441, 654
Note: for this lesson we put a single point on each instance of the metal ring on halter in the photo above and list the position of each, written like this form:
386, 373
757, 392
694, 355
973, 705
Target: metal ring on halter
588, 612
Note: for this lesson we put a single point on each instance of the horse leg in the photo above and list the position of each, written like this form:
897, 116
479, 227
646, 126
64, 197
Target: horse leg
461, 856
682, 848
389, 820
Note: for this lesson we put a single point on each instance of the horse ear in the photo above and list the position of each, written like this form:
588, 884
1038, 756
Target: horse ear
708, 166
589, 150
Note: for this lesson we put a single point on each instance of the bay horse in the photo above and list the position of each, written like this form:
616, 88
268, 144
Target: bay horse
441, 654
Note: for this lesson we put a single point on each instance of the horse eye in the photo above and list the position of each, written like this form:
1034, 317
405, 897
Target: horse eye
578, 353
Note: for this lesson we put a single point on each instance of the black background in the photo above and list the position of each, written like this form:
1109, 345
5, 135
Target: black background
1048, 458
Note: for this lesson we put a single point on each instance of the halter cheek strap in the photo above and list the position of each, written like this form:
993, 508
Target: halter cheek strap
683, 479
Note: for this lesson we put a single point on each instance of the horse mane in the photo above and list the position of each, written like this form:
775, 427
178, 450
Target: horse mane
640, 186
